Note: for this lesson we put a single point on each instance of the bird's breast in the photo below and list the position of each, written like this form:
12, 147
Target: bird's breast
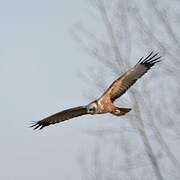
104, 105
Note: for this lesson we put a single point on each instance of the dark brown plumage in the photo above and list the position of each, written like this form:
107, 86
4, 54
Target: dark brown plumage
61, 116
104, 104
124, 82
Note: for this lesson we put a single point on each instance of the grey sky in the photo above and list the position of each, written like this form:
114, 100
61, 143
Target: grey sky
39, 62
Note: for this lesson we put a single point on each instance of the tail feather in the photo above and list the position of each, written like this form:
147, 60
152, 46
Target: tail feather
123, 111
120, 111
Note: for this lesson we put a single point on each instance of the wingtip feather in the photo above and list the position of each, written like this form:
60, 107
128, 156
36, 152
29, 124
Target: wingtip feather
38, 125
150, 60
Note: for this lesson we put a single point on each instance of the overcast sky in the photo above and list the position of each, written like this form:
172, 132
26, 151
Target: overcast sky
39, 66
40, 69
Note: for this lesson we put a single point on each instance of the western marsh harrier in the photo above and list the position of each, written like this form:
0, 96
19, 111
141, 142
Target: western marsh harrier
104, 104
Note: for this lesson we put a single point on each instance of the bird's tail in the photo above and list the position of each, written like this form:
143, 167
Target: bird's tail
123, 111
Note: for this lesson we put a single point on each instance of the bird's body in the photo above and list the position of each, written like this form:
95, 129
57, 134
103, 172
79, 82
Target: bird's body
104, 104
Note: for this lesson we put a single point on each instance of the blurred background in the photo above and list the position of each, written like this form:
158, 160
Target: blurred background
59, 54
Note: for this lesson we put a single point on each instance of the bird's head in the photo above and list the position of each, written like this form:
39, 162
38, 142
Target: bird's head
92, 107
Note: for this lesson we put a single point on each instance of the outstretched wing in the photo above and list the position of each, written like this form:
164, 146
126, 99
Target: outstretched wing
122, 84
61, 116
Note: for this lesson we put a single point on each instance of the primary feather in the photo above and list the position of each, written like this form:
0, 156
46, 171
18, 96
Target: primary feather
61, 116
122, 84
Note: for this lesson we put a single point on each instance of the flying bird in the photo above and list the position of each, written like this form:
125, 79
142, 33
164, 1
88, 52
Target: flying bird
104, 104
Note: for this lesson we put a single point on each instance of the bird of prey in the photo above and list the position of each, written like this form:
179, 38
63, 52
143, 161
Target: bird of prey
104, 104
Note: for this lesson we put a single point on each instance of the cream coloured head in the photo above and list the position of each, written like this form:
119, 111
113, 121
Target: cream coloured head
92, 107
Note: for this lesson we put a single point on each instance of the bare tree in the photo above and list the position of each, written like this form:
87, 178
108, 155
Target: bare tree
129, 29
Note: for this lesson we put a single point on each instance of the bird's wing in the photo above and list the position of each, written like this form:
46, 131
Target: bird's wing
123, 83
60, 116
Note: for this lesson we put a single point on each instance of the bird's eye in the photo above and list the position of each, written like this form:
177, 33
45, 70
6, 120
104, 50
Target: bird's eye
92, 109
